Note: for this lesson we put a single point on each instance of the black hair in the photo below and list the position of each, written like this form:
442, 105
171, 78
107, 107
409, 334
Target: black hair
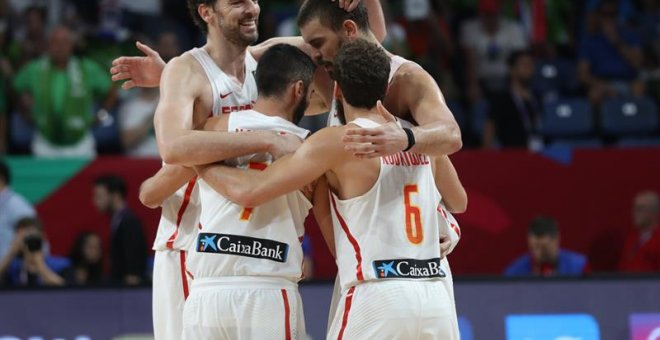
543, 226
362, 71
29, 222
280, 66
330, 15
194, 14
112, 183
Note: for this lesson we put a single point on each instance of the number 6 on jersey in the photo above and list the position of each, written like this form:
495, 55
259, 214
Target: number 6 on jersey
413, 215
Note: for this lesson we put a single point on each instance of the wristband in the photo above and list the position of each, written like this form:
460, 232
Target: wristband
411, 138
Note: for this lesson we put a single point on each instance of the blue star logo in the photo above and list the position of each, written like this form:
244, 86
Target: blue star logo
209, 241
387, 268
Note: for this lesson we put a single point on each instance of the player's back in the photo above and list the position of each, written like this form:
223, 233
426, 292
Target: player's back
260, 241
388, 253
391, 231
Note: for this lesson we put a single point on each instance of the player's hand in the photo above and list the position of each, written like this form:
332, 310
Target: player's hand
445, 245
348, 5
384, 140
284, 144
138, 71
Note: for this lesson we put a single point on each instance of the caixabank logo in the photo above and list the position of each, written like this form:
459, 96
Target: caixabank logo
242, 246
408, 268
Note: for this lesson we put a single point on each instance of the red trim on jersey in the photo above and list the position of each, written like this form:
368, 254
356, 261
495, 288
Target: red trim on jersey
287, 312
354, 243
184, 279
301, 238
190, 274
182, 210
347, 309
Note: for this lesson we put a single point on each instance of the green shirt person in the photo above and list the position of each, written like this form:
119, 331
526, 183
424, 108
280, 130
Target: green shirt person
58, 92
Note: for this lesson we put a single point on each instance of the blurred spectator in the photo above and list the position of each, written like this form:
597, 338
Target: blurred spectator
136, 119
431, 41
641, 250
136, 113
545, 258
58, 92
515, 115
128, 248
86, 260
487, 42
25, 264
395, 41
13, 207
610, 56
30, 42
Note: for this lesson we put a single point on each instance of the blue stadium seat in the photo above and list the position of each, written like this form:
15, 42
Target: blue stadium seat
479, 116
637, 142
567, 118
106, 135
458, 111
20, 132
626, 116
580, 143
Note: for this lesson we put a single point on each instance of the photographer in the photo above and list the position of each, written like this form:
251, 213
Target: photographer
25, 263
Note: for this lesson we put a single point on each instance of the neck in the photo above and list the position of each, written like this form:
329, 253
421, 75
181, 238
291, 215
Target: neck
352, 113
118, 205
274, 107
229, 57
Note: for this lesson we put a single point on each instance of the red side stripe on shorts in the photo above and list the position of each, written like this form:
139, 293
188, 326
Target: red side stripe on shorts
354, 243
184, 279
287, 312
182, 210
347, 309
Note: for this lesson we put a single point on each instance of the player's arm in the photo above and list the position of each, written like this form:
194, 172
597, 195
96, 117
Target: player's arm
258, 50
437, 134
321, 209
178, 143
450, 187
143, 71
317, 155
155, 189
376, 19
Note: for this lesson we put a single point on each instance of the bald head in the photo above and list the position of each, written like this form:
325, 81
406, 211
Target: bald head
646, 209
60, 45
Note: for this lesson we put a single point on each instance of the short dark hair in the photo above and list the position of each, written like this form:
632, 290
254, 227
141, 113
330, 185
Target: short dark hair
29, 222
330, 15
113, 183
5, 175
513, 58
280, 66
543, 226
194, 14
362, 71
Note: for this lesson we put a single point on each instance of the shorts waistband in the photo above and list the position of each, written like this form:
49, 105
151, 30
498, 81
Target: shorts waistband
244, 282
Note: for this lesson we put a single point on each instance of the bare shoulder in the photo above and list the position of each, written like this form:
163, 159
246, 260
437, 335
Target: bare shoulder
184, 67
411, 73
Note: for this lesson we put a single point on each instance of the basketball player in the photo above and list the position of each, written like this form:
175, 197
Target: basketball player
384, 212
174, 189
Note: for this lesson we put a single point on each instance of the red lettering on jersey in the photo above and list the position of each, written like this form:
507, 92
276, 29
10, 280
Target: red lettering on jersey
229, 109
406, 159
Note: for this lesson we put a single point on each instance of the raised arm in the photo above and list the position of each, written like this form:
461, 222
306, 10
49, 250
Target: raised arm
179, 144
376, 19
164, 184
317, 155
258, 50
438, 134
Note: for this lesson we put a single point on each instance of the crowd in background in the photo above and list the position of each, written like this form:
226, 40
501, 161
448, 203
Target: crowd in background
536, 61
533, 60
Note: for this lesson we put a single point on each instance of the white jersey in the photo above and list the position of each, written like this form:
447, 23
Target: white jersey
261, 241
390, 232
179, 219
395, 64
228, 96
180, 212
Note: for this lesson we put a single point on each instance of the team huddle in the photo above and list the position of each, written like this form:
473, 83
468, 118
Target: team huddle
239, 177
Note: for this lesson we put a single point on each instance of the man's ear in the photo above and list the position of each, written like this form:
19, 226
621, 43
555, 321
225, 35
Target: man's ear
205, 11
350, 29
299, 89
